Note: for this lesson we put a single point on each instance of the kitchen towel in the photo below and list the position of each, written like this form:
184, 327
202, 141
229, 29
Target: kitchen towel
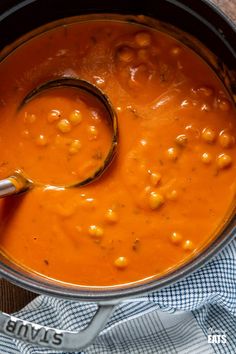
196, 315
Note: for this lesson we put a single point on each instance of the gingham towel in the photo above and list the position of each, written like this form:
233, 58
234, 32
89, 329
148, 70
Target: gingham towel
185, 318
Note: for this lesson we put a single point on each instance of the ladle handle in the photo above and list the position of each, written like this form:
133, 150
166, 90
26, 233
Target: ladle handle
54, 338
14, 185
7, 187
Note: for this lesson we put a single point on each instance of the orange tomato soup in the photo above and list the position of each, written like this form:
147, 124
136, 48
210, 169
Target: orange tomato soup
172, 183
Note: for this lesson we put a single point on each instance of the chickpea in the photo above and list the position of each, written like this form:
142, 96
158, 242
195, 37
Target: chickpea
226, 140
53, 115
126, 54
143, 54
206, 158
224, 104
143, 142
181, 140
93, 132
75, 146
155, 200
206, 91
176, 237
25, 134
75, 117
121, 262
155, 178
175, 51
172, 154
188, 245
224, 161
179, 65
64, 126
143, 39
29, 117
208, 135
172, 195
111, 216
41, 140
95, 115
95, 231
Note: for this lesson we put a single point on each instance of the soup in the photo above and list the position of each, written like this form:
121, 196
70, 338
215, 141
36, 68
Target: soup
172, 184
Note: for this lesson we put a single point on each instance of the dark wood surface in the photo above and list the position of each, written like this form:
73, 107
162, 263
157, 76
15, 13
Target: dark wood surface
13, 298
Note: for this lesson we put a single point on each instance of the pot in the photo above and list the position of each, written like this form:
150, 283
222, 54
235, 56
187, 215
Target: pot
199, 19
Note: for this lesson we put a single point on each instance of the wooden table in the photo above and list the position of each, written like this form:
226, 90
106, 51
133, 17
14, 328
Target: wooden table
13, 298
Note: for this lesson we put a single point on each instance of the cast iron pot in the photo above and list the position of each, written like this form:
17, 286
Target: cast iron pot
198, 18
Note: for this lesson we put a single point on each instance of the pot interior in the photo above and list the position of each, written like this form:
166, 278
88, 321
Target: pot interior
190, 17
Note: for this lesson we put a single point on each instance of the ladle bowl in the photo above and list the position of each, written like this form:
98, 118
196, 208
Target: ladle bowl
18, 182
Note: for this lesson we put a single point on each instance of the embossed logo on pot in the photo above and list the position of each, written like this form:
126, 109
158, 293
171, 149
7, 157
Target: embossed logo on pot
34, 333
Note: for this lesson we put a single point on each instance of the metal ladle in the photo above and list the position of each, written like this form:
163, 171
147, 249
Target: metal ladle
18, 182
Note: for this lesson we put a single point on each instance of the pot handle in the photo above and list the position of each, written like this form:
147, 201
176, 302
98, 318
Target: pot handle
54, 338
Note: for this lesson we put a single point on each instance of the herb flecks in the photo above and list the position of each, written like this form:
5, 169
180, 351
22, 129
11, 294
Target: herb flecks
136, 245
97, 156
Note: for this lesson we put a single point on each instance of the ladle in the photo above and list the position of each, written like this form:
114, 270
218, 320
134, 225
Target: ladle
18, 182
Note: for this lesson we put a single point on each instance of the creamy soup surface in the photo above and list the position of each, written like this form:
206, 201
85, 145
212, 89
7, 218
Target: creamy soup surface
172, 183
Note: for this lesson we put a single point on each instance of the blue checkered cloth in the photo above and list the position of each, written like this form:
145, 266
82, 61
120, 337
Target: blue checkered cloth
189, 317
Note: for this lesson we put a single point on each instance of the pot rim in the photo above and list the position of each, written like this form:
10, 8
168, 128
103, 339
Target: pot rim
36, 283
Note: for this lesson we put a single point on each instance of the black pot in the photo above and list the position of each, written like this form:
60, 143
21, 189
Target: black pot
200, 19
